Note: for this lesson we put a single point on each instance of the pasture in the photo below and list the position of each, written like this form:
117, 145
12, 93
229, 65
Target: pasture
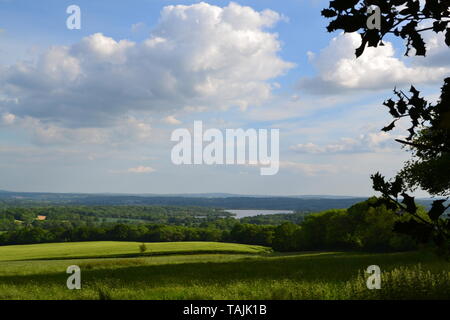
248, 272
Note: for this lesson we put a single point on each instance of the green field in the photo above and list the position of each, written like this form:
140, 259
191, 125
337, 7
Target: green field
108, 249
244, 272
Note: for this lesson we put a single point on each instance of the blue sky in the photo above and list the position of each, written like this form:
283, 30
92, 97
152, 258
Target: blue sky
92, 110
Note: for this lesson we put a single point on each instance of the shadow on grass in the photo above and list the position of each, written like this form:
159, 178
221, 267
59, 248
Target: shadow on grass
332, 267
146, 255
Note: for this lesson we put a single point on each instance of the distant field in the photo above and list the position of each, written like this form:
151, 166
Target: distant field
241, 275
105, 249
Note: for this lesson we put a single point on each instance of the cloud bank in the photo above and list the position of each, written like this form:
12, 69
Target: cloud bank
196, 55
378, 68
364, 143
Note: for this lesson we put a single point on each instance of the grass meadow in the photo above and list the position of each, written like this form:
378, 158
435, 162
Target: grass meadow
118, 249
193, 271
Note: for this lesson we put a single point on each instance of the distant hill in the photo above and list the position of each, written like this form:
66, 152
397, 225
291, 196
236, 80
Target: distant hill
217, 200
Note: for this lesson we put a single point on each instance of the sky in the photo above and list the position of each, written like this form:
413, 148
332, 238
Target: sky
93, 110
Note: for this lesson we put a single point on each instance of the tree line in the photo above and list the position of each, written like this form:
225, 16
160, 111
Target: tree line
365, 226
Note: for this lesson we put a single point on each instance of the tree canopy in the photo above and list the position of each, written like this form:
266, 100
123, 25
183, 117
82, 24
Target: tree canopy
429, 134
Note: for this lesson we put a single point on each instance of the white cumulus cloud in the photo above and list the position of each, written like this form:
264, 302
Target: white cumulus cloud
369, 142
199, 54
309, 169
171, 120
8, 118
141, 169
378, 68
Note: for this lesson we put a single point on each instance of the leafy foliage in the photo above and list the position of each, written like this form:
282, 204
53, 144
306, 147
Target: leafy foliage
429, 168
361, 227
432, 227
429, 134
402, 18
142, 248
364, 226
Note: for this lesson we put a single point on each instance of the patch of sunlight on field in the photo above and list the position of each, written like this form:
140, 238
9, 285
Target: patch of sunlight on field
118, 249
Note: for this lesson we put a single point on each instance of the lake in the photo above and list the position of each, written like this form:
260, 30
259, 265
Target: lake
251, 213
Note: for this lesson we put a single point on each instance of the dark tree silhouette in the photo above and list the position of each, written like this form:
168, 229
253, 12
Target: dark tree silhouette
398, 17
429, 134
